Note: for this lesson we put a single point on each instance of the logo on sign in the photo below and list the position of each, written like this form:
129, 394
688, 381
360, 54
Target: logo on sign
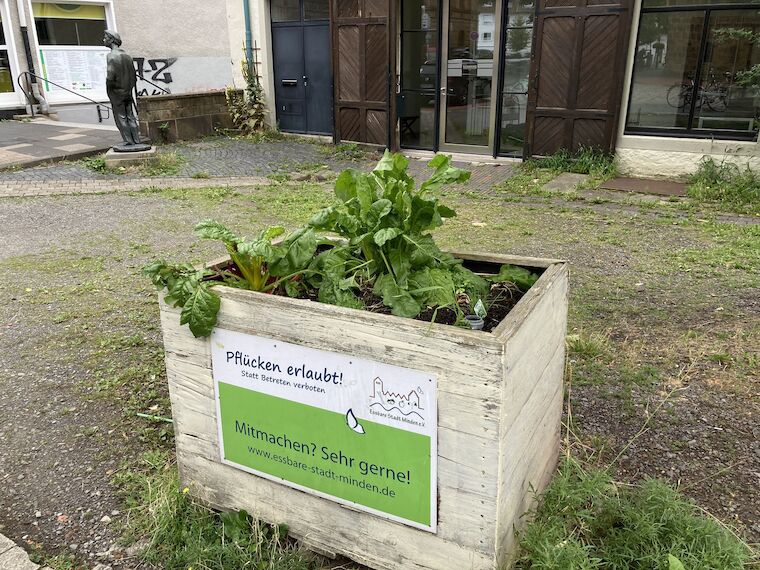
397, 405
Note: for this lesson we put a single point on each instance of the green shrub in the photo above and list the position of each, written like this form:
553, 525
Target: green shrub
588, 521
726, 183
96, 163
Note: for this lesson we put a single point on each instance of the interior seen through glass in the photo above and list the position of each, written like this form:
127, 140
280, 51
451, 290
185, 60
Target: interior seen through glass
666, 92
470, 68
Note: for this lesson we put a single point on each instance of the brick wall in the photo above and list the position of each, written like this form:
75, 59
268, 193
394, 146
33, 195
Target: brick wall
169, 118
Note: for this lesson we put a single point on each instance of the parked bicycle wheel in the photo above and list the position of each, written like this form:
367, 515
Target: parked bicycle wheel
679, 96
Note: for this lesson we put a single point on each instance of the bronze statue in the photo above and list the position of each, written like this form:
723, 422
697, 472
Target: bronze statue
120, 83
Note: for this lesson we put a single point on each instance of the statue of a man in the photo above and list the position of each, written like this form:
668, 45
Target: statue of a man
120, 83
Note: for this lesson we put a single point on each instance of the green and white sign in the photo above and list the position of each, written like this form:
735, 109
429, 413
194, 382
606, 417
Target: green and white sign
358, 432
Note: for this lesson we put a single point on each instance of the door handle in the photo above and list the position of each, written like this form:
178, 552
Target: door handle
290, 82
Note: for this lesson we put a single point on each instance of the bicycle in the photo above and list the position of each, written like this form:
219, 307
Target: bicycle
714, 94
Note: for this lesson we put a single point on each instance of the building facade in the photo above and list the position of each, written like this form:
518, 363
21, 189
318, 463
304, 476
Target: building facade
178, 46
661, 82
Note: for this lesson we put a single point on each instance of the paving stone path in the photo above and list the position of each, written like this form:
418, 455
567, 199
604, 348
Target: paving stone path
25, 144
222, 161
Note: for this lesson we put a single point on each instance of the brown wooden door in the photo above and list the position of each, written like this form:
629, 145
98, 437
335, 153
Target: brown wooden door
577, 74
361, 52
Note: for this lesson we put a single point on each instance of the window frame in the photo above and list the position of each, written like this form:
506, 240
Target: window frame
690, 131
64, 97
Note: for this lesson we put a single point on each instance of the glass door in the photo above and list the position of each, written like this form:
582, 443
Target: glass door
468, 78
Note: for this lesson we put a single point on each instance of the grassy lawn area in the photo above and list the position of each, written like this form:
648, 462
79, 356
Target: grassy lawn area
663, 347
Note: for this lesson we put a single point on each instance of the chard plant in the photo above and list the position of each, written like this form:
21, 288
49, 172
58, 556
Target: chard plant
383, 250
258, 265
385, 220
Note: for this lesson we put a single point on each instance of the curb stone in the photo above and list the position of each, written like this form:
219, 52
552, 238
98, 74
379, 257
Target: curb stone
14, 557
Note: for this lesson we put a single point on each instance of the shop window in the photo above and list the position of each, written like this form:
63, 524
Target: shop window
696, 71
69, 24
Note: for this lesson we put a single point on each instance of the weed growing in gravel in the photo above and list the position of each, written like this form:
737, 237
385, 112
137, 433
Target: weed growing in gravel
163, 164
587, 520
203, 175
95, 163
732, 187
182, 533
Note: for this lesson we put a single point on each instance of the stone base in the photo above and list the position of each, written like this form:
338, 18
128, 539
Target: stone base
116, 159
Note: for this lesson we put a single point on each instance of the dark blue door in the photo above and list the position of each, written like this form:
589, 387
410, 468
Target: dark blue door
302, 70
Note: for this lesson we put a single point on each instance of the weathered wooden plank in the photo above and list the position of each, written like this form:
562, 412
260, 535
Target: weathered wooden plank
534, 362
375, 541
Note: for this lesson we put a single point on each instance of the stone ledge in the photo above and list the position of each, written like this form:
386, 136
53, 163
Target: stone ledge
14, 557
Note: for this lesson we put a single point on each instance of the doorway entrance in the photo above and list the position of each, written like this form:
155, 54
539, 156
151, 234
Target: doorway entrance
464, 69
302, 72
8, 70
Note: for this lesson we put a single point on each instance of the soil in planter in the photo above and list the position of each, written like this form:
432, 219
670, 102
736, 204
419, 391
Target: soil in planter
501, 299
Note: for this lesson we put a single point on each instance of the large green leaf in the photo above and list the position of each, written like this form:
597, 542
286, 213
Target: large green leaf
345, 185
386, 234
433, 287
444, 174
211, 229
377, 211
200, 310
400, 301
294, 253
523, 278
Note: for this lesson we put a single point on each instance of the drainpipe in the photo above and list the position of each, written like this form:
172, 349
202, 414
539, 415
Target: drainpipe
248, 36
35, 87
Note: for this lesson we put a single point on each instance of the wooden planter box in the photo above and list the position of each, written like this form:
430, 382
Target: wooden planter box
499, 410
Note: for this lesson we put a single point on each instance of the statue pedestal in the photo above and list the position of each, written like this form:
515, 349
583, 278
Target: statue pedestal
116, 159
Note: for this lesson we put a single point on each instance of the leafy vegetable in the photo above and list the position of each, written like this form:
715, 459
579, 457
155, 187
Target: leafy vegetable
384, 221
520, 276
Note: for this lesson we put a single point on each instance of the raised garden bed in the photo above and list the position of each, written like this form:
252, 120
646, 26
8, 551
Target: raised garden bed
397, 442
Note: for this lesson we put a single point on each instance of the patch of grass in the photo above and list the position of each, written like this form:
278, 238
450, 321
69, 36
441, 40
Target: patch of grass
279, 176
589, 161
587, 521
57, 562
345, 151
164, 164
728, 185
95, 163
206, 195
588, 346
203, 175
182, 533
731, 247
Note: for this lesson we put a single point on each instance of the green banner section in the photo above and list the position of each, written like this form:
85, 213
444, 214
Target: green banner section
385, 468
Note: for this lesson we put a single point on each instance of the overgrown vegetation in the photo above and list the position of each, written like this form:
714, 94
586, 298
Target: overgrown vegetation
599, 165
586, 520
162, 164
183, 534
386, 250
248, 109
727, 184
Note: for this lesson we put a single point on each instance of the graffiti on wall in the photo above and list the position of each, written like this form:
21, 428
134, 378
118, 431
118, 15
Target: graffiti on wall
156, 71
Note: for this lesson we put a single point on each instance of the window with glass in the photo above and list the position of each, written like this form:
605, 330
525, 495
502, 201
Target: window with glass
417, 102
515, 72
69, 24
696, 70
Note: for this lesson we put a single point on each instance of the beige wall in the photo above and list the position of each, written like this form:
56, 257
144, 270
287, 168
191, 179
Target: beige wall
669, 157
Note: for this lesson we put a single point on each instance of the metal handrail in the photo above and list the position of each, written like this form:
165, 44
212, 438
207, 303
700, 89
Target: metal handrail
30, 96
